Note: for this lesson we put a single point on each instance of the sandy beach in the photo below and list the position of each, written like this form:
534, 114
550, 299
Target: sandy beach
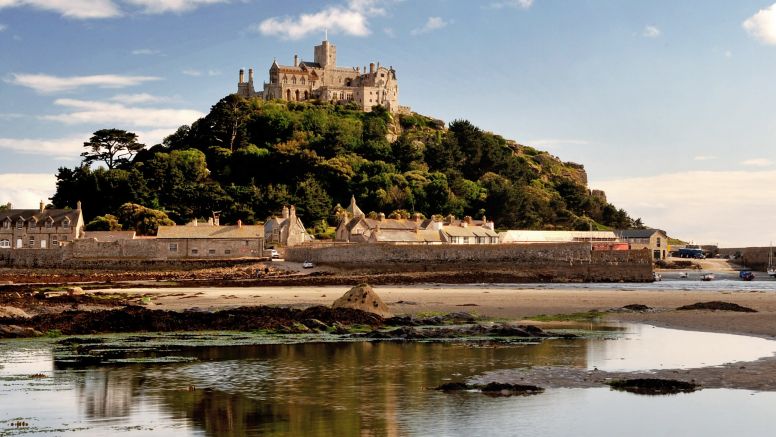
503, 301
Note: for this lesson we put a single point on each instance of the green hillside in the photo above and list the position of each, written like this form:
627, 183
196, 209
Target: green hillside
247, 158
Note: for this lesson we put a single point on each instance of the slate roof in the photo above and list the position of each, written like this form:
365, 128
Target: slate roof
310, 64
472, 231
637, 233
57, 215
199, 232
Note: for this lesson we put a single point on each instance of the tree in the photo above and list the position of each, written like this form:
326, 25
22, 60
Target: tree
114, 147
105, 222
145, 221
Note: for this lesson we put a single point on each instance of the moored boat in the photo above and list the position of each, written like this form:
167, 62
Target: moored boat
707, 277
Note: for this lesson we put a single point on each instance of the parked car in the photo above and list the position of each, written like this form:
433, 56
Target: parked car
275, 254
308, 264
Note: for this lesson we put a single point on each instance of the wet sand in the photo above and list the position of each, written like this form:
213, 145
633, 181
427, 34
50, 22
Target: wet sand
503, 301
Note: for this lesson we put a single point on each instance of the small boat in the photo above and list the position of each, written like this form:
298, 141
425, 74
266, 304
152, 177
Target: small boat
771, 266
707, 277
746, 275
683, 275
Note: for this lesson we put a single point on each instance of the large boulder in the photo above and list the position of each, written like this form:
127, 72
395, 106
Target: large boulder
363, 297
13, 312
15, 331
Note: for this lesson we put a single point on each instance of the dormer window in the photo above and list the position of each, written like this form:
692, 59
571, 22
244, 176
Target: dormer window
7, 224
49, 223
66, 223
32, 224
19, 224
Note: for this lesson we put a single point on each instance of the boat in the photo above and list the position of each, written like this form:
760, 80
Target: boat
683, 275
771, 267
656, 277
746, 275
707, 277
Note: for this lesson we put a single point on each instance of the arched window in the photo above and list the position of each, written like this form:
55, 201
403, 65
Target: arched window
293, 80
342, 96
66, 223
32, 224
306, 95
297, 95
5, 244
302, 81
285, 79
288, 94
19, 224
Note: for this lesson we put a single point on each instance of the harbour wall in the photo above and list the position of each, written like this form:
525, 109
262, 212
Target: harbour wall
567, 262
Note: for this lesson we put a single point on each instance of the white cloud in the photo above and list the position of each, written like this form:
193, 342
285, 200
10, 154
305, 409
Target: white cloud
106, 113
68, 148
25, 190
757, 162
192, 72
762, 25
44, 83
432, 24
651, 32
175, 6
351, 19
3, 27
145, 52
134, 99
77, 9
521, 4
704, 157
725, 207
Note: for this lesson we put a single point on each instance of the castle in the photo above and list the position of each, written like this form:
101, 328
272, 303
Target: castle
323, 80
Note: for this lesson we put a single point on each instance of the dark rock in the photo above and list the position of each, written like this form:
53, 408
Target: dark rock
16, 331
636, 307
653, 386
315, 324
453, 386
717, 306
502, 389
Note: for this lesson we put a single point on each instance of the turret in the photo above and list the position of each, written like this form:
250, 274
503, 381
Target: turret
242, 75
325, 54
250, 75
296, 60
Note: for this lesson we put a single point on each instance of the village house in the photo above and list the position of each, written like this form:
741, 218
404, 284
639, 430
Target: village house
286, 230
356, 227
39, 228
210, 241
322, 79
655, 240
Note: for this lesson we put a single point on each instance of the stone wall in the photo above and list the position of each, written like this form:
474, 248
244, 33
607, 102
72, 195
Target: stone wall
540, 262
755, 258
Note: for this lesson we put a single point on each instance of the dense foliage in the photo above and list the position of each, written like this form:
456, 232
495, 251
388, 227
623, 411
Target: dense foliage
247, 158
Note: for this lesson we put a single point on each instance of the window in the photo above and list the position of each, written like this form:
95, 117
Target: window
32, 242
227, 252
302, 81
49, 222
66, 223
42, 244
31, 224
7, 224
54, 241
194, 251
64, 238
5, 244
19, 224
658, 241
173, 247
293, 80
211, 252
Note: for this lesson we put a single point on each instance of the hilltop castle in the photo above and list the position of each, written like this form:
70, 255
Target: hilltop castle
323, 80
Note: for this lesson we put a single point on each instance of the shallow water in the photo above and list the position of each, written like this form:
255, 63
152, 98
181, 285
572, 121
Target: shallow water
379, 388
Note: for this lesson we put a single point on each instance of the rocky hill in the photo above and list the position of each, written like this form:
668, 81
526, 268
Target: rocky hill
247, 158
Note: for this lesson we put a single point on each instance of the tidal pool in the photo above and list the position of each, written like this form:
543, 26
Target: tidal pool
359, 388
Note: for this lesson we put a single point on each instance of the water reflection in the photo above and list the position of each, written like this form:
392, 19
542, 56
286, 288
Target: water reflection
346, 389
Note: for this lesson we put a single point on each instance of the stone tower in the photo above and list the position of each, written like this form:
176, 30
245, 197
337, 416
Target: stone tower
326, 54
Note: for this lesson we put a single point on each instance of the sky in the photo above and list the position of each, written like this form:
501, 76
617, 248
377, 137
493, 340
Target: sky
668, 105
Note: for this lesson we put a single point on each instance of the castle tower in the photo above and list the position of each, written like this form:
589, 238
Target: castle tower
326, 54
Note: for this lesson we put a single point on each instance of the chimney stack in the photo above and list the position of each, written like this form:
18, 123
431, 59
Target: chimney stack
242, 75
284, 213
239, 224
296, 60
417, 217
381, 216
78, 205
42, 206
371, 67
250, 75
216, 218
292, 212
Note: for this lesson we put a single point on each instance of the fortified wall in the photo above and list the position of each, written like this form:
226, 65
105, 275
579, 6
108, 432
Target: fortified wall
755, 258
567, 262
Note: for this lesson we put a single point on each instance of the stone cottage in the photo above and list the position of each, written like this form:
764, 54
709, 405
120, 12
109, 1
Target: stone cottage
210, 241
40, 228
286, 230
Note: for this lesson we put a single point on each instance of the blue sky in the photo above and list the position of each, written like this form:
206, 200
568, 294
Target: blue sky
669, 105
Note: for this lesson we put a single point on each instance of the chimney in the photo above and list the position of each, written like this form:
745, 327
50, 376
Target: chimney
42, 206
78, 205
371, 67
216, 218
416, 217
242, 76
250, 75
358, 70
239, 224
468, 219
292, 212
210, 221
378, 65
381, 216
284, 213
296, 60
